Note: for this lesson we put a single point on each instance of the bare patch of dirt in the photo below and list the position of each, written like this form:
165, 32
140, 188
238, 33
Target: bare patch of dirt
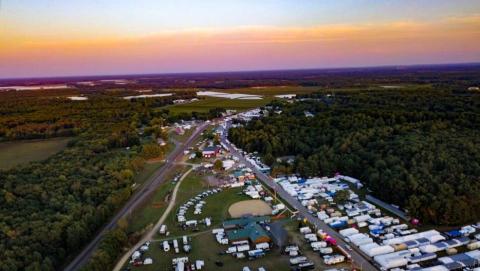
249, 207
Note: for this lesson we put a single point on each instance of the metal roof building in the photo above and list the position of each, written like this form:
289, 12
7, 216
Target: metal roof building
252, 232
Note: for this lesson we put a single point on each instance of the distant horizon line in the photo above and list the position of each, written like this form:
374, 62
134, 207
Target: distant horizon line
339, 68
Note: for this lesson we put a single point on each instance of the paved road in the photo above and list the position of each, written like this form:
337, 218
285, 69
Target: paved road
151, 233
137, 198
388, 207
358, 257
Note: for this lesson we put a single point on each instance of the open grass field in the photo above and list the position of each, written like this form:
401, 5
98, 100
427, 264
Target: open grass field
148, 214
272, 91
205, 247
208, 103
147, 172
191, 186
21, 152
268, 93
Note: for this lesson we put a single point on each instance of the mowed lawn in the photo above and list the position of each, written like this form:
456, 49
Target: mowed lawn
21, 152
204, 245
208, 103
190, 187
216, 207
146, 215
206, 248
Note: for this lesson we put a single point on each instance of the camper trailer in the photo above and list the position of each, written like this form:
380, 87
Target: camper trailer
166, 246
175, 246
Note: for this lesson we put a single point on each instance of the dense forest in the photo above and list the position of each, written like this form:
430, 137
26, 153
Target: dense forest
50, 209
443, 75
418, 148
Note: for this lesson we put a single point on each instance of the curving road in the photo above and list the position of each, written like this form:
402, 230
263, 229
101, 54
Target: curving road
137, 198
151, 233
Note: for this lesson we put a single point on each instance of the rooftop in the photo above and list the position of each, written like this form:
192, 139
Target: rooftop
251, 231
242, 222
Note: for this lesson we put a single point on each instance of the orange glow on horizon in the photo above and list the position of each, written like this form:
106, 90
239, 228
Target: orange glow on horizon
452, 39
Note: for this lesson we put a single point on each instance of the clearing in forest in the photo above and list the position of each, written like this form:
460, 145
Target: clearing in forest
23, 151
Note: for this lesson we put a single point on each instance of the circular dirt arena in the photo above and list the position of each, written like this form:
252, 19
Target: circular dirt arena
249, 207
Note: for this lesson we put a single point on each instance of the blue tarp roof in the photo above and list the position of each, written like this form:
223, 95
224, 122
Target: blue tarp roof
440, 245
454, 233
469, 262
453, 266
460, 257
423, 240
410, 243
377, 231
423, 257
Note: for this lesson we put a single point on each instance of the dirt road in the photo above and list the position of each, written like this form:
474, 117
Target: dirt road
149, 235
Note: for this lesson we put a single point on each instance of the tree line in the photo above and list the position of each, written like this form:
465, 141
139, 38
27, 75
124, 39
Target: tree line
50, 209
416, 148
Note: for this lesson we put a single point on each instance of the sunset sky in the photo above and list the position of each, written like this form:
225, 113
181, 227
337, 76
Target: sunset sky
99, 37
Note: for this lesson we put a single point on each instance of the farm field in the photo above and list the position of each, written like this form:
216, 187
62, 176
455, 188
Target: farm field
21, 152
272, 91
208, 103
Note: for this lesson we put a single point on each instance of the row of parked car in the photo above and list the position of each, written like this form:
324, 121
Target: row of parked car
198, 203
297, 260
321, 246
138, 257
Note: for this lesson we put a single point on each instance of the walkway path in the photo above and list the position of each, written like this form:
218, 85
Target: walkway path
149, 235
388, 207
